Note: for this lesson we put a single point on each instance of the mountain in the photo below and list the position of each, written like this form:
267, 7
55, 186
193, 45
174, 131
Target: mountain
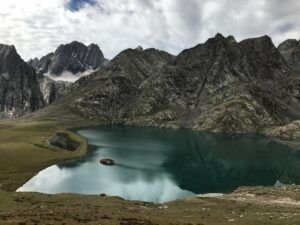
290, 50
220, 85
19, 89
66, 65
69, 60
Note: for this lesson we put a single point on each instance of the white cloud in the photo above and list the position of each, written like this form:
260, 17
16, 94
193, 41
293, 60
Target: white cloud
37, 27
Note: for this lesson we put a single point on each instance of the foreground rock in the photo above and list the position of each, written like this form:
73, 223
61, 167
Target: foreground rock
63, 141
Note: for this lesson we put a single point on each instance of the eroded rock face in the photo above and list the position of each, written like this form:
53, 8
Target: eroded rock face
53, 90
19, 89
110, 93
290, 50
74, 58
220, 85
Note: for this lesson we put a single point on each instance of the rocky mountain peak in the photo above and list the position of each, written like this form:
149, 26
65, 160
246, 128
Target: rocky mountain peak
8, 56
139, 48
74, 58
231, 39
288, 44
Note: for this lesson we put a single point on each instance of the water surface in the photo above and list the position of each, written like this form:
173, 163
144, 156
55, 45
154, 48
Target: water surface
161, 165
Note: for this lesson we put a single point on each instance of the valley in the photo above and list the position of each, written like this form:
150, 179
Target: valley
220, 86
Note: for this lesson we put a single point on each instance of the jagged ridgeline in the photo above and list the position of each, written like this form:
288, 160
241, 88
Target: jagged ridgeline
220, 85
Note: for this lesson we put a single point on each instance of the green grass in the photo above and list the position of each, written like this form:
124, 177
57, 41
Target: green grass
24, 151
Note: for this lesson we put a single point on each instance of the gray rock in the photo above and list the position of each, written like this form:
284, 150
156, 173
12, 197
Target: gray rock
53, 90
74, 58
19, 89
63, 141
290, 50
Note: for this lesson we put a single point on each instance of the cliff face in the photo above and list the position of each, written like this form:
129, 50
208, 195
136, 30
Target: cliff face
290, 50
19, 90
221, 85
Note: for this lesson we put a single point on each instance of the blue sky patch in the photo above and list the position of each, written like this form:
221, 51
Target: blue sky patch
76, 5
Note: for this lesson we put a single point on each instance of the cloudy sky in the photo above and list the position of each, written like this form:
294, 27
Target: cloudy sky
37, 27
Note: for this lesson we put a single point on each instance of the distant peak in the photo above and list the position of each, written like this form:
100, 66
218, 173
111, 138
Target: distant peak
288, 44
219, 36
231, 39
8, 47
139, 48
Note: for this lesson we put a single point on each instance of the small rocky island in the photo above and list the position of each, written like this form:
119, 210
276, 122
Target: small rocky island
107, 162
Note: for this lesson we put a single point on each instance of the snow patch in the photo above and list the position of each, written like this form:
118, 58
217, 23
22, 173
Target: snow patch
67, 76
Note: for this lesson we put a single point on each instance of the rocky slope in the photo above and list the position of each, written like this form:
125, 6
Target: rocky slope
290, 50
19, 89
109, 93
66, 65
52, 90
221, 85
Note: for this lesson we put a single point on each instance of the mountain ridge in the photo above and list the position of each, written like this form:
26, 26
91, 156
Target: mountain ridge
220, 86
74, 57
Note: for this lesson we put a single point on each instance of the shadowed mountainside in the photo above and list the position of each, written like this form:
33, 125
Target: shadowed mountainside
19, 89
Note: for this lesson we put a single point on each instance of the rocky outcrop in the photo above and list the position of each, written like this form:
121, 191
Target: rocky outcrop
19, 89
290, 131
53, 90
290, 50
74, 58
63, 141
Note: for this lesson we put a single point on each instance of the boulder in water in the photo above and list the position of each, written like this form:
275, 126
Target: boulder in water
107, 162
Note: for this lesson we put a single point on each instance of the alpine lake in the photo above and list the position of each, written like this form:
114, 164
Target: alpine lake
159, 165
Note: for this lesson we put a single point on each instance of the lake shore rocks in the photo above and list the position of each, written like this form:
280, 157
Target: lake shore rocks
289, 131
63, 141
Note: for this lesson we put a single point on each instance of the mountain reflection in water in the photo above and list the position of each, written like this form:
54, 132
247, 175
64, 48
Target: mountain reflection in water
162, 165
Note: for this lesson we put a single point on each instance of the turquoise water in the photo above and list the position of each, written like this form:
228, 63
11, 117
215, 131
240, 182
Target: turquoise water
161, 165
